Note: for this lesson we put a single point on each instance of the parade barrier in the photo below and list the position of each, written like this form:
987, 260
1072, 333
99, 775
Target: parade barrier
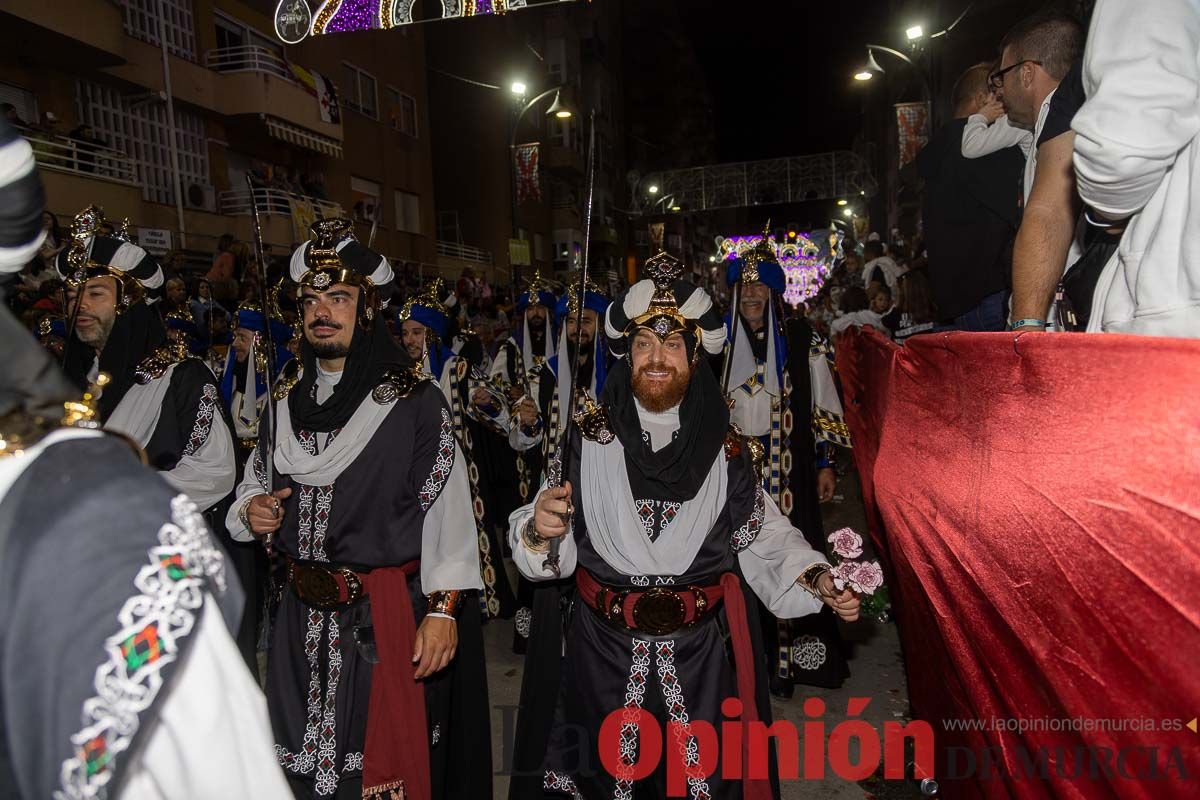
1037, 498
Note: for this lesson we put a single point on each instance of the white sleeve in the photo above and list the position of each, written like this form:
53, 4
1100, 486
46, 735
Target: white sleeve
207, 474
824, 387
518, 440
528, 562
864, 317
1141, 76
212, 736
449, 542
498, 371
773, 562
249, 487
981, 139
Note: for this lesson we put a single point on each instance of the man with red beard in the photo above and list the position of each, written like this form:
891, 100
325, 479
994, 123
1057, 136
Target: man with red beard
664, 526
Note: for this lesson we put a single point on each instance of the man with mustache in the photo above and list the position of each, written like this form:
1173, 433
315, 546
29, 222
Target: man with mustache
158, 395
580, 344
520, 369
480, 414
782, 393
249, 366
134, 688
375, 677
659, 517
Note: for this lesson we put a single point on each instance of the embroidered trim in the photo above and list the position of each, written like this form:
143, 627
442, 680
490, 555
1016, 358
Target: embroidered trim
635, 695
327, 774
304, 520
557, 782
442, 466
808, 652
354, 763
523, 620
830, 426
320, 522
153, 624
204, 420
744, 536
685, 742
303, 762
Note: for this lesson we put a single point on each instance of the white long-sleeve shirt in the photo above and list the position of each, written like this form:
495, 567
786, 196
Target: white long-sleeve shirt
771, 563
981, 138
1136, 156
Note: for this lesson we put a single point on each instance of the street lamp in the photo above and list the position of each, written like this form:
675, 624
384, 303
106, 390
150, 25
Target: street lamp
847, 212
914, 33
558, 110
843, 201
652, 188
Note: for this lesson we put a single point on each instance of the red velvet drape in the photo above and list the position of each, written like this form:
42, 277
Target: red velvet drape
1040, 506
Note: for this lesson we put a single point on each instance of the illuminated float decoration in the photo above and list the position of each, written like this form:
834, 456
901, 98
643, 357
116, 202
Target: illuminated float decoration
806, 264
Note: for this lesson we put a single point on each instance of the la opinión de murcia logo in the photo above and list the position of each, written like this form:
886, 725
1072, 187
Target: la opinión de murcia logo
694, 750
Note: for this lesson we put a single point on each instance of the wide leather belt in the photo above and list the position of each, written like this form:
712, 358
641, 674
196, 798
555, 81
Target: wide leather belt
660, 611
326, 588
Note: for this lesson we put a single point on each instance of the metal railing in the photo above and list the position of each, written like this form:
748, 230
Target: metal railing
464, 252
238, 202
248, 58
823, 176
64, 154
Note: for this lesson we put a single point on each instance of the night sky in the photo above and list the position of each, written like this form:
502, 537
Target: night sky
788, 72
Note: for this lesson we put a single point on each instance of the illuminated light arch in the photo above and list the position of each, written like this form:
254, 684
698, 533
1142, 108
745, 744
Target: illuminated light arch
341, 16
806, 264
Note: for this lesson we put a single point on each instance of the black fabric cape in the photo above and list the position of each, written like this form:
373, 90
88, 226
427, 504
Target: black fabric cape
78, 525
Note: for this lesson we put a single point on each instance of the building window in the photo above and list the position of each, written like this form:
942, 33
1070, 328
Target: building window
364, 199
22, 101
141, 22
360, 92
408, 212
141, 131
556, 61
568, 248
233, 33
402, 111
562, 132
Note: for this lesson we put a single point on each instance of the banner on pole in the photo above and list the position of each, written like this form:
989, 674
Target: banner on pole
529, 185
912, 121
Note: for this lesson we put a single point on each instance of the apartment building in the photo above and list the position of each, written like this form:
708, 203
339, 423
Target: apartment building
89, 78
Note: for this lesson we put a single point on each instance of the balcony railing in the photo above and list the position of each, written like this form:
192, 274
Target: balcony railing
238, 202
64, 154
464, 252
249, 58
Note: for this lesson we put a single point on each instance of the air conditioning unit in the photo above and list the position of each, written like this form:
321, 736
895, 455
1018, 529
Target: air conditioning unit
200, 196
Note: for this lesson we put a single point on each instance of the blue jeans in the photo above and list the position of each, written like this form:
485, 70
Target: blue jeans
990, 315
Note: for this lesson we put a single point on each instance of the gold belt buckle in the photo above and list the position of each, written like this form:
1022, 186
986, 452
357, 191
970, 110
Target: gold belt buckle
659, 612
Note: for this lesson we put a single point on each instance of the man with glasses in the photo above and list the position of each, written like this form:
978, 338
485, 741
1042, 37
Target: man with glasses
1036, 56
